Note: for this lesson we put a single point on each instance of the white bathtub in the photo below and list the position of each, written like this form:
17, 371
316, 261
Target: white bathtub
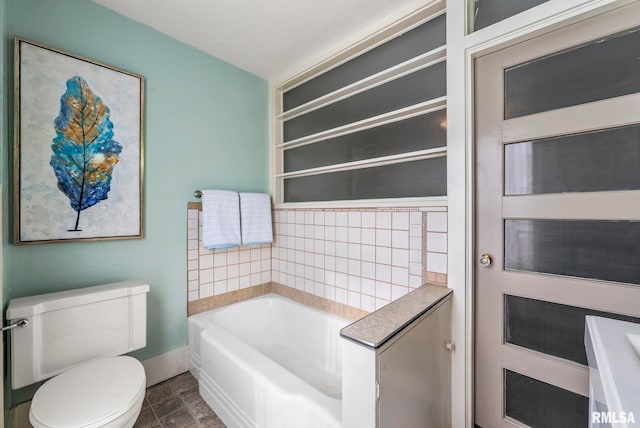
269, 362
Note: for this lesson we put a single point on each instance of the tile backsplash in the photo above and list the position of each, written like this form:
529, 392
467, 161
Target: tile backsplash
214, 272
364, 258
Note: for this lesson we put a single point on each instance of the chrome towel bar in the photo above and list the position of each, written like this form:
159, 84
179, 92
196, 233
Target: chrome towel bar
197, 194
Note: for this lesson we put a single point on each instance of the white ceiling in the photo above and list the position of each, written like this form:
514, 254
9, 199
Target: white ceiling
274, 39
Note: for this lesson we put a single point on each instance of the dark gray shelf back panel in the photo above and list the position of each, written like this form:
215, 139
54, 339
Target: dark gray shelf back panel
598, 249
488, 12
411, 44
551, 328
539, 404
414, 88
417, 133
587, 162
410, 179
598, 70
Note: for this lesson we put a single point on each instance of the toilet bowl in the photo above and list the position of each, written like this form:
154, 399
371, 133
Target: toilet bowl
104, 393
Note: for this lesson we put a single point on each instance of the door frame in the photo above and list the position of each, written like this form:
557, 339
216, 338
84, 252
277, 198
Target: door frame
461, 51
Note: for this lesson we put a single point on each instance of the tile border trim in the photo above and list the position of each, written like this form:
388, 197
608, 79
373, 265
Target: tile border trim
344, 311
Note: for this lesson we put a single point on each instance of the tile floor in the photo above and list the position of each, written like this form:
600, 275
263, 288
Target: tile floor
176, 403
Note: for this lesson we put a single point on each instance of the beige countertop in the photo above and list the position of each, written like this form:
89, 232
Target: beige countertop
376, 328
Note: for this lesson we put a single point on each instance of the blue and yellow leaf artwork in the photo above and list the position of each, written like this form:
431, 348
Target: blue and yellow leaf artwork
84, 151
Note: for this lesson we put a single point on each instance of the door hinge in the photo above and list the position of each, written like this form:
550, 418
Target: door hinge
377, 391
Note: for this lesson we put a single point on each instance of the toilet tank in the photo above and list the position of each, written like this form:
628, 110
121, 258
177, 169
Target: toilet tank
71, 327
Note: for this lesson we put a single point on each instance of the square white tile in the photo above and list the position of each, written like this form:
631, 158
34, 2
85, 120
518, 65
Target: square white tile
368, 270
368, 253
383, 237
383, 220
383, 273
354, 299
400, 239
400, 257
206, 261
437, 262
436, 222
437, 242
354, 219
383, 290
330, 218
400, 221
206, 290
383, 255
354, 267
400, 276
368, 236
368, 219
354, 235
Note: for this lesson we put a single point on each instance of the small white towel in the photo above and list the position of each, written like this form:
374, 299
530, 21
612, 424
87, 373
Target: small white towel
220, 219
255, 214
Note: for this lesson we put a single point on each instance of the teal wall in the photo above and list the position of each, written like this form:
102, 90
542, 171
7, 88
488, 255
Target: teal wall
206, 126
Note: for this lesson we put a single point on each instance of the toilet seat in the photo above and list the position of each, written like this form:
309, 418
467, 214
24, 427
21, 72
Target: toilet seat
106, 392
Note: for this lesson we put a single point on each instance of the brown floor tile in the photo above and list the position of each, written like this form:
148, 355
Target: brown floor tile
168, 406
183, 382
176, 403
181, 418
158, 393
146, 418
190, 396
211, 421
199, 409
153, 424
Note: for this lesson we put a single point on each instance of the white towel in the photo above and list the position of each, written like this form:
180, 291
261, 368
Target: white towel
220, 219
255, 214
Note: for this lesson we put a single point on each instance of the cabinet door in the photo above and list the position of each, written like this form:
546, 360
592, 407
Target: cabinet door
414, 374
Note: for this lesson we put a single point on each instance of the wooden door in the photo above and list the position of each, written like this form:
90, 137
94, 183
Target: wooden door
557, 214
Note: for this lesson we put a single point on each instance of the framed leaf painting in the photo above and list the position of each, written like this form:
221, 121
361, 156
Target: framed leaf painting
78, 149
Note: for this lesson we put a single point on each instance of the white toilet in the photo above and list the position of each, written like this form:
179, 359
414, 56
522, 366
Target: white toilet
76, 338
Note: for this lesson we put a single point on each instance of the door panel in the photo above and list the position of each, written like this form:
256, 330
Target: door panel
550, 328
579, 75
586, 162
598, 249
558, 210
538, 403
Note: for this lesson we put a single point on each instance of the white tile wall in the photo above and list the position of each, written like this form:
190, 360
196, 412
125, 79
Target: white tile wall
435, 229
213, 272
363, 258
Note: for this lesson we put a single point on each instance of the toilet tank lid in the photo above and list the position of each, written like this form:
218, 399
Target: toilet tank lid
25, 307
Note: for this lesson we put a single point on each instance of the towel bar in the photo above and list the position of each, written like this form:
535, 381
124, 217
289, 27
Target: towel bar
197, 194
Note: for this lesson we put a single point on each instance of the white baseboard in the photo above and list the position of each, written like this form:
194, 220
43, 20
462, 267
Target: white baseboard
166, 366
